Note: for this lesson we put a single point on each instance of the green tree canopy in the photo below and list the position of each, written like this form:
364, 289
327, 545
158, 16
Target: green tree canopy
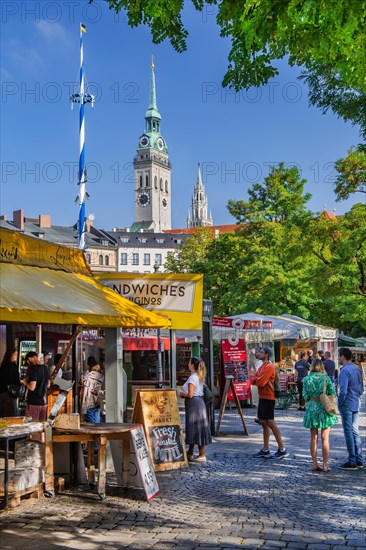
340, 273
283, 258
352, 173
328, 90
280, 198
329, 32
190, 257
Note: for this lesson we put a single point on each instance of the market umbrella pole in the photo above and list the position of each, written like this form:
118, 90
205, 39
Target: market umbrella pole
160, 377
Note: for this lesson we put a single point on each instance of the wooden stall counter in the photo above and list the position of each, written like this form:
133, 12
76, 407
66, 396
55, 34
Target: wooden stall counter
99, 433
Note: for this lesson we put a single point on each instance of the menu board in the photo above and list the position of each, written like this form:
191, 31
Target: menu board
144, 464
234, 362
158, 411
166, 444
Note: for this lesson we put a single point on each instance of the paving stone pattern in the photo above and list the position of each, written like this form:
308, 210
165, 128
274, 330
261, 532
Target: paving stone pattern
232, 501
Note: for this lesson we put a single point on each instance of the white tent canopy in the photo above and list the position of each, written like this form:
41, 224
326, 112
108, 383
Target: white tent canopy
283, 327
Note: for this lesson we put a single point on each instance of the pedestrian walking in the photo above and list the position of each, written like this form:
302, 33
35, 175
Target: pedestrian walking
350, 391
302, 368
197, 428
9, 384
37, 381
316, 418
264, 380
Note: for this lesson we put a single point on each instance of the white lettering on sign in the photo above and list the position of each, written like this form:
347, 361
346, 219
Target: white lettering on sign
159, 294
144, 463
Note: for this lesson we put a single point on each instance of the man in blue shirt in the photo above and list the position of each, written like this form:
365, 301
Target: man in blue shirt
350, 391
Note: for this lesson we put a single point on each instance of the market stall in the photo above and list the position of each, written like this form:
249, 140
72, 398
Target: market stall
42, 283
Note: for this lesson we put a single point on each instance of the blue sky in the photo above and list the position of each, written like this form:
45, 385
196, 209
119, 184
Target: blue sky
234, 137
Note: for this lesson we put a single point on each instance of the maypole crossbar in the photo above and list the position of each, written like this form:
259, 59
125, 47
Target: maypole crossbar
82, 98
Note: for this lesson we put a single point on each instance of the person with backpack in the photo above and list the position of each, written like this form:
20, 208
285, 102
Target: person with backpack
264, 379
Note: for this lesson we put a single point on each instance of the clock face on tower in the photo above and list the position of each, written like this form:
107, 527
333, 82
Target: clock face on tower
164, 202
160, 143
144, 141
143, 199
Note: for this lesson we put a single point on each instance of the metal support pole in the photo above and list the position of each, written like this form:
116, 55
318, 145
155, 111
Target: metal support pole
208, 359
159, 376
173, 358
39, 339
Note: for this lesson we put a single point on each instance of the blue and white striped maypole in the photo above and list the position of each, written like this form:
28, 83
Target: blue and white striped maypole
82, 98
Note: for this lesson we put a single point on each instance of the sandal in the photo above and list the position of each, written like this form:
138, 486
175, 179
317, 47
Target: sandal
317, 469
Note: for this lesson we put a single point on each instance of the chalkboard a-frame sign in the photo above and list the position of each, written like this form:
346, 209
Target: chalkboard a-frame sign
157, 411
144, 464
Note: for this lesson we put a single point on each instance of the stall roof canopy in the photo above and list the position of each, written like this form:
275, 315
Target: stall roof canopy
292, 327
44, 283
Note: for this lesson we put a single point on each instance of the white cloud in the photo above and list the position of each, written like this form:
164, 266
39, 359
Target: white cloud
54, 32
18, 52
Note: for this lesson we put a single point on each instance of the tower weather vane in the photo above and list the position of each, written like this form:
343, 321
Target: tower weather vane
82, 97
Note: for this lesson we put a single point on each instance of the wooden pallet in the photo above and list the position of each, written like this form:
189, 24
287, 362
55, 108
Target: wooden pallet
32, 492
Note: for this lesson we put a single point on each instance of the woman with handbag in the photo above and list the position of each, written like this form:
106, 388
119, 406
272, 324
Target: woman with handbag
9, 384
197, 428
316, 385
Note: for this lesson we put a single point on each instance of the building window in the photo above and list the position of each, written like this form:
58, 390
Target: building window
107, 260
158, 259
156, 182
135, 259
146, 181
88, 258
140, 181
146, 259
160, 241
100, 260
142, 239
166, 186
161, 184
124, 258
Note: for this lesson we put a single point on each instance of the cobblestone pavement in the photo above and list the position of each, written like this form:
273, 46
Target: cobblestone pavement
232, 501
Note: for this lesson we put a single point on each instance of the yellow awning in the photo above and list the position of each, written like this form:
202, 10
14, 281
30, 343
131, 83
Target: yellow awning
43, 295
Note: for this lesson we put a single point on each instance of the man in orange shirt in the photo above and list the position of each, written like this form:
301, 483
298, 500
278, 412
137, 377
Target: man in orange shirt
264, 380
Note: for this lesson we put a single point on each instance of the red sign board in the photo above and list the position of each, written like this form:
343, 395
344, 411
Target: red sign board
238, 323
146, 344
234, 361
225, 322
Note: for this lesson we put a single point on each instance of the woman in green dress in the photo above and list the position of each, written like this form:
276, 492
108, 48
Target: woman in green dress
316, 418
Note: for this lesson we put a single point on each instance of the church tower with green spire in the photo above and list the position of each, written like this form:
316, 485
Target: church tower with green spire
152, 172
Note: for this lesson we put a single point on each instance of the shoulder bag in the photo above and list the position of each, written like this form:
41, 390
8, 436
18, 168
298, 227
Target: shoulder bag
276, 387
207, 394
13, 391
329, 402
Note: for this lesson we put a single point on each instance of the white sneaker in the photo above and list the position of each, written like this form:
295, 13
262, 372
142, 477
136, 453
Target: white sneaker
199, 459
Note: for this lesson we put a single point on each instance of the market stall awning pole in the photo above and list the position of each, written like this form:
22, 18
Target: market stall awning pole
62, 359
160, 376
173, 358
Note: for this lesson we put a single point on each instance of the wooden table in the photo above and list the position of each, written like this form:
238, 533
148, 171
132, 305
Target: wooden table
99, 433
